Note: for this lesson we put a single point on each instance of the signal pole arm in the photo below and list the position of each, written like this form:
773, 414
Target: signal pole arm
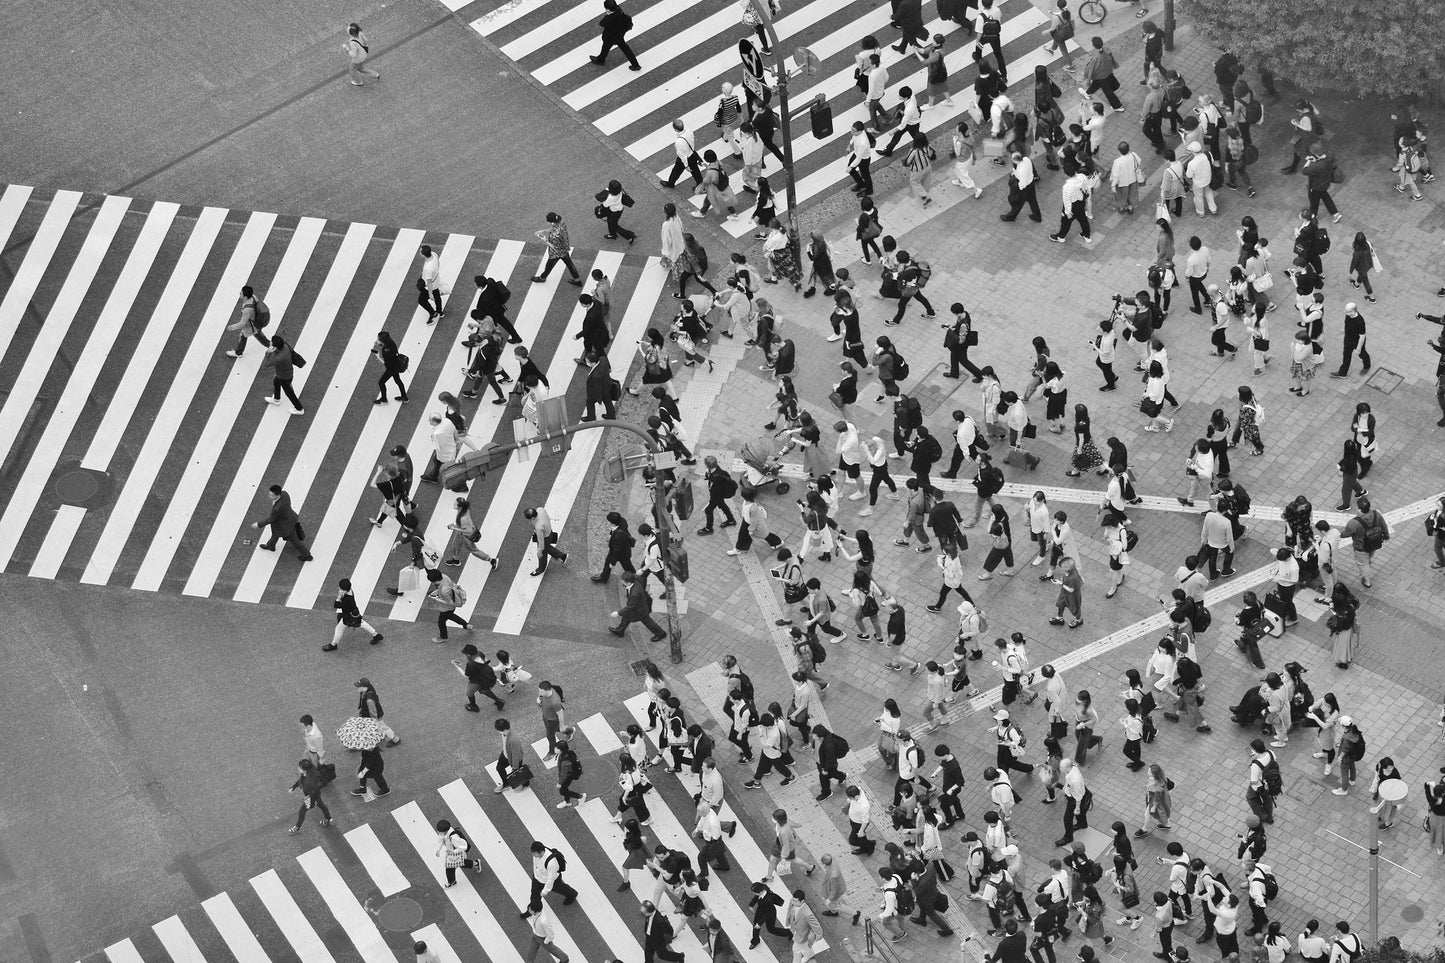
458, 474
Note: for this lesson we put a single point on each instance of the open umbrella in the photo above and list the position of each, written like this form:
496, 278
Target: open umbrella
361, 733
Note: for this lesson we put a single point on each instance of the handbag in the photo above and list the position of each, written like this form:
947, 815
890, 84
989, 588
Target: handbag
836, 399
971, 340
1375, 261
1151, 407
1031, 430
1264, 282
408, 579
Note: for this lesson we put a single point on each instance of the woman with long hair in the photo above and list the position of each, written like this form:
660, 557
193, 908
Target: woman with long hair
1086, 453
1362, 261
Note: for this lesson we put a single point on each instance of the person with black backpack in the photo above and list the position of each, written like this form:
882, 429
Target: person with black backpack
548, 864
615, 25
253, 320
1266, 781
720, 487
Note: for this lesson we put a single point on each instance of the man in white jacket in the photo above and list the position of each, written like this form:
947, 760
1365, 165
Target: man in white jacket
444, 443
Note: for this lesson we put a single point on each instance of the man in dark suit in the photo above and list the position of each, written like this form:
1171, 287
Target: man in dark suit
1013, 948
657, 936
699, 747
615, 24
638, 608
720, 487
285, 523
827, 746
492, 303
595, 334
719, 946
619, 547
599, 387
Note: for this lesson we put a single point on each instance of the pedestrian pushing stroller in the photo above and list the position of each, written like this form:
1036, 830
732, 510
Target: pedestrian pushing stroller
763, 464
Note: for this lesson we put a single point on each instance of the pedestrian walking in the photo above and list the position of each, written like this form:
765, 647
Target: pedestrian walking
372, 768
544, 538
282, 357
612, 201
548, 864
1099, 71
310, 781
1363, 260
313, 740
357, 49
1023, 189
615, 25
284, 523
559, 248
448, 596
428, 285
251, 323
348, 616
1078, 800
637, 608
1354, 337
1320, 171
721, 486
1368, 531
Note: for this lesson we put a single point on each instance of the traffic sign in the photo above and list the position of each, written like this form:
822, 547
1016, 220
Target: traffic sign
807, 61
752, 60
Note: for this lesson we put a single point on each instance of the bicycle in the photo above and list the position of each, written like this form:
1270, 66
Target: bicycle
1092, 11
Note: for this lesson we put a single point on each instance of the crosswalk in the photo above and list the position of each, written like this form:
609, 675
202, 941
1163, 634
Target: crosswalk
112, 340
346, 887
689, 49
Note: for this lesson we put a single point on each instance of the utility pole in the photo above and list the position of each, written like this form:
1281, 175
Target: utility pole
456, 475
760, 8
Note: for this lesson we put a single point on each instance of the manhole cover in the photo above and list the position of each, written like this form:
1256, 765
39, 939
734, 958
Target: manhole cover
1412, 913
400, 915
1384, 380
81, 486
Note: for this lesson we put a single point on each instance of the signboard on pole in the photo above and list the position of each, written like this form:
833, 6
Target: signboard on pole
753, 70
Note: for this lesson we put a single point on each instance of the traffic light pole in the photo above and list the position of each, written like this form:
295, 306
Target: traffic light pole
760, 8
660, 521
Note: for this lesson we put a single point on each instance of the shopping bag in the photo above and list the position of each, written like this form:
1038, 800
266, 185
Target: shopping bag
408, 579
785, 867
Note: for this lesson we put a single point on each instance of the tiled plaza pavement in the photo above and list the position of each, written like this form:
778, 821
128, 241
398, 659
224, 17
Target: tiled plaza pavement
1017, 284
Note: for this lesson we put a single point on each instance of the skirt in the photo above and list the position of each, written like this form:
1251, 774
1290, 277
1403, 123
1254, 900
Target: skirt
1087, 458
1343, 647
1437, 830
1057, 402
815, 461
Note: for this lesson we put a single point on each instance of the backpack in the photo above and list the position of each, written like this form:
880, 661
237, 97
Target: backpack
1131, 538
1004, 889
840, 745
727, 487
1271, 887
1201, 619
459, 595
900, 368
1357, 749
991, 27
559, 857
402, 362
819, 654
1322, 241
1251, 155
1254, 112
925, 273
905, 899
263, 314
1066, 30
1273, 778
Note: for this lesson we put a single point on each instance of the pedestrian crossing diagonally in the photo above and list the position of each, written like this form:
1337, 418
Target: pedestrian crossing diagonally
113, 333
687, 50
331, 905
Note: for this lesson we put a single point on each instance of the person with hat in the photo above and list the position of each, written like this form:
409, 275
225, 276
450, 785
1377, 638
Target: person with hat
1351, 751
1011, 744
1198, 170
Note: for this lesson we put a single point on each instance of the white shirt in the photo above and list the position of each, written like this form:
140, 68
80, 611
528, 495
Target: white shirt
847, 446
1074, 786
431, 268
909, 757
753, 150
541, 925
1197, 170
1105, 344
682, 144
859, 809
315, 741
1196, 263
877, 82
911, 113
1024, 172
544, 870
444, 440
712, 787
1125, 170
877, 452
709, 827
965, 434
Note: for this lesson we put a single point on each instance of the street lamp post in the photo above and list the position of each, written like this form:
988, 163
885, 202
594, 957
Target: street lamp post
1391, 791
760, 8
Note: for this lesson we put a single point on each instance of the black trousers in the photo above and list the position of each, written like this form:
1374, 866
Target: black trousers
1108, 85
1107, 367
1076, 212
1351, 343
547, 550
1210, 554
1005, 761
609, 409
716, 503
565, 258
951, 808
308, 803
862, 174
392, 376
714, 854
958, 356
692, 166
1317, 196
1198, 292
622, 45
278, 385
1076, 815
426, 296
377, 778
614, 225
1025, 195
911, 130
560, 887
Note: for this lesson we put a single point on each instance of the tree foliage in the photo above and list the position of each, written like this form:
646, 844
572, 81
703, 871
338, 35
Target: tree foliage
1367, 48
1389, 951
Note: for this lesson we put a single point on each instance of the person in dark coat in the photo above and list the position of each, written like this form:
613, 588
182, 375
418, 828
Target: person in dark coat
284, 523
657, 936
372, 766
826, 743
908, 14
310, 784
599, 387
619, 547
925, 899
615, 24
699, 747
491, 303
280, 356
926, 453
1013, 948
638, 608
595, 334
765, 904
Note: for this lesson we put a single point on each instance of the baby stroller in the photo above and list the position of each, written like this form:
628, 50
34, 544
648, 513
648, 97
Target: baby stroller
763, 464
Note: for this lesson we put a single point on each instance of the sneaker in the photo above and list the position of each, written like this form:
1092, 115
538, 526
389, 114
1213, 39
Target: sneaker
864, 513
1337, 218
359, 791
328, 647
233, 354
788, 781
1340, 792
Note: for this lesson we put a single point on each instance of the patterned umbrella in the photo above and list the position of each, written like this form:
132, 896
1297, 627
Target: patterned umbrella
360, 733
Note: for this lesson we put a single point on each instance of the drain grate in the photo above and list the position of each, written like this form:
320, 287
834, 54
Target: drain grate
1384, 380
